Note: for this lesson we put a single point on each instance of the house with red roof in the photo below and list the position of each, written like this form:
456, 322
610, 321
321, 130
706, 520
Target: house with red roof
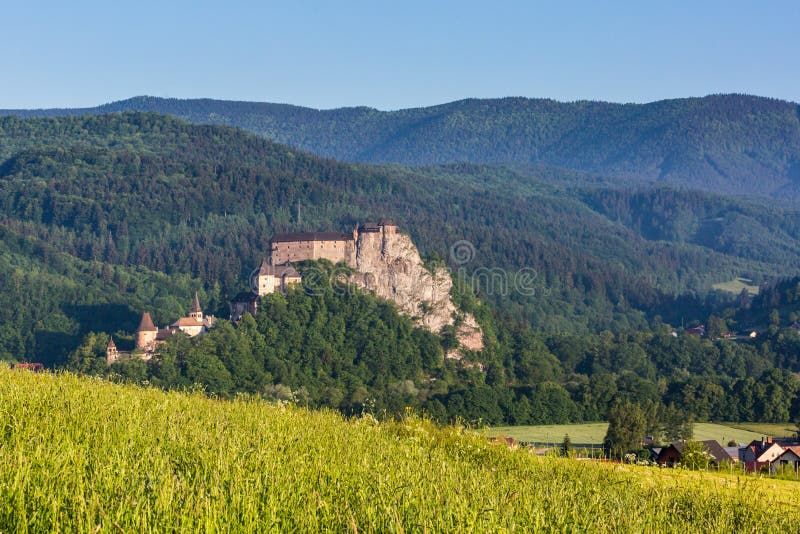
789, 458
759, 454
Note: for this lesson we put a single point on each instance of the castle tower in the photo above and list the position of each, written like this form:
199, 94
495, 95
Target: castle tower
265, 280
112, 354
388, 227
146, 333
196, 312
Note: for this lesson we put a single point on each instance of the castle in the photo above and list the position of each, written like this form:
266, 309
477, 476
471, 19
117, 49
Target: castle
277, 273
268, 279
382, 260
334, 246
149, 336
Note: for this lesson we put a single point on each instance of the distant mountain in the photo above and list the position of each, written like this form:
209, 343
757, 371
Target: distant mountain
734, 144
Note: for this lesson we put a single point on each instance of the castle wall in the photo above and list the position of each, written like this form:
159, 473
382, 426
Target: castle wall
266, 284
292, 251
192, 330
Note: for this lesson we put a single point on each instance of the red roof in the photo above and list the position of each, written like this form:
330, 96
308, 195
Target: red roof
147, 324
187, 321
794, 448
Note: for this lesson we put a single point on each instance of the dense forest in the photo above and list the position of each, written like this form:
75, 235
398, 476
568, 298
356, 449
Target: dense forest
103, 217
349, 350
733, 144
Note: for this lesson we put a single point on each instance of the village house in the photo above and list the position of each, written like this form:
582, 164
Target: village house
733, 452
697, 330
759, 454
789, 458
670, 455
35, 367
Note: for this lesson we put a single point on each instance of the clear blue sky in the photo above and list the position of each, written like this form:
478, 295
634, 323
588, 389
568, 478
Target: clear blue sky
396, 54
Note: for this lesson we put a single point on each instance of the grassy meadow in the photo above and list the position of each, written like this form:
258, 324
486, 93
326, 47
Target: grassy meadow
736, 285
767, 429
83, 455
593, 433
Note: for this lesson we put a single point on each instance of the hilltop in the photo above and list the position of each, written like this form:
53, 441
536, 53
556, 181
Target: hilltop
81, 454
734, 144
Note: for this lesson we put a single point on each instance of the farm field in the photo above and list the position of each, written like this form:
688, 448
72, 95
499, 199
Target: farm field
736, 285
767, 429
593, 433
84, 455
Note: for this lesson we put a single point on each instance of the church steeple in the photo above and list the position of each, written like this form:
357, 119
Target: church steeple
112, 354
196, 311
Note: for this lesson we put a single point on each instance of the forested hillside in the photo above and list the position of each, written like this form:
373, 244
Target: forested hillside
112, 197
724, 143
337, 347
103, 217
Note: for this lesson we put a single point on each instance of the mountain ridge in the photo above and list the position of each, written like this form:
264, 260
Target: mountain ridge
732, 144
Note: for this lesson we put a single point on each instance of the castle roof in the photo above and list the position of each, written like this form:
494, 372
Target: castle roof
187, 321
164, 334
279, 271
196, 305
369, 227
387, 222
146, 325
111, 344
311, 236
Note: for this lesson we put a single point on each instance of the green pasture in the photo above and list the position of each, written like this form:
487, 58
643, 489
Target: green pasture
736, 285
593, 433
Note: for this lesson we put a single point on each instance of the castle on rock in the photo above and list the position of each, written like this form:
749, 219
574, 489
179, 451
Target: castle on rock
277, 273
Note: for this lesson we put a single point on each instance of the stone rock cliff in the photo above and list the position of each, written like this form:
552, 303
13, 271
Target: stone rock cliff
390, 265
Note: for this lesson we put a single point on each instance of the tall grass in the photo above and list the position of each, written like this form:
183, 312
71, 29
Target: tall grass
82, 455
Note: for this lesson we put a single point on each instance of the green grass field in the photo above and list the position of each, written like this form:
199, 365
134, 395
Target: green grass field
768, 429
736, 285
83, 455
593, 433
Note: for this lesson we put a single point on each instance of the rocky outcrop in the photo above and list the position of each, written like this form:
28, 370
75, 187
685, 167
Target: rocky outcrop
389, 265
